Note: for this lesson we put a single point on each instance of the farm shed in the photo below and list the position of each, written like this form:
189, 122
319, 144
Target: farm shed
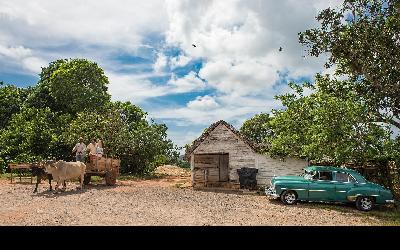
221, 150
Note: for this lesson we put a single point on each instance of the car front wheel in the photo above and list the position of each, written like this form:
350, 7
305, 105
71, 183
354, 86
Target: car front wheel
364, 203
289, 197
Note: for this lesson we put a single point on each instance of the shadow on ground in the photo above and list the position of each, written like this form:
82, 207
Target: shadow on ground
69, 191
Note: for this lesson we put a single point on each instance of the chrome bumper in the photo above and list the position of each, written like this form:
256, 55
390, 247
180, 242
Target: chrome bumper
390, 201
271, 192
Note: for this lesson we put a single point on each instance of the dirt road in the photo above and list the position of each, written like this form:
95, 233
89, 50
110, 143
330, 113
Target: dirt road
162, 201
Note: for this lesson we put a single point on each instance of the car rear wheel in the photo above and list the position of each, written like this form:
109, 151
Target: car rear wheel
289, 197
364, 203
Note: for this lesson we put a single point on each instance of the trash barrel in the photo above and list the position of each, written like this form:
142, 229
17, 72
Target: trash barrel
247, 178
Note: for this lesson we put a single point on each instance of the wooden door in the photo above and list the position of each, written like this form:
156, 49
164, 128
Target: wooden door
211, 168
224, 168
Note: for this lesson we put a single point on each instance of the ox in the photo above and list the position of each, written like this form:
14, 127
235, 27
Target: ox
63, 171
38, 170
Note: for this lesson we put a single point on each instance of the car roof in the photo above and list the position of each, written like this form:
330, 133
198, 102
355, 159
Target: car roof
329, 168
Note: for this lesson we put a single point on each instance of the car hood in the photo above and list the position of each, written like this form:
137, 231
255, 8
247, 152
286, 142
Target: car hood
288, 179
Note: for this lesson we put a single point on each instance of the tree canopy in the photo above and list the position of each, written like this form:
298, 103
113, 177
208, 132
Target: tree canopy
70, 86
258, 130
71, 101
322, 126
11, 99
362, 39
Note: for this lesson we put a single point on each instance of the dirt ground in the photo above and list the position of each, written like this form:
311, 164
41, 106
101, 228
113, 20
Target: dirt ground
167, 200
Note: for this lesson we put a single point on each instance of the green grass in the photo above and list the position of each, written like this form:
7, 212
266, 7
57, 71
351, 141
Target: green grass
5, 176
96, 179
386, 215
15, 175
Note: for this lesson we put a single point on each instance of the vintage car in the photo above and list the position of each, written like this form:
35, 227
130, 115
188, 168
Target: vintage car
329, 184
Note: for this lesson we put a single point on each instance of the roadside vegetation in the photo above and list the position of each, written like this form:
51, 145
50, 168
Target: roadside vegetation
71, 100
351, 117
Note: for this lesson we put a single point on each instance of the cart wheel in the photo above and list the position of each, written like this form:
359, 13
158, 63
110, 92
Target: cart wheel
87, 179
111, 178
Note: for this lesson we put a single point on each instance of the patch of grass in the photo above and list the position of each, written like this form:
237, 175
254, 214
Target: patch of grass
5, 176
96, 179
386, 215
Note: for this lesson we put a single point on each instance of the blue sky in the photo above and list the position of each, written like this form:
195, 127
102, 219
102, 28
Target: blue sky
145, 48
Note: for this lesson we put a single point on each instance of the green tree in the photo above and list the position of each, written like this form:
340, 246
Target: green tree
41, 97
323, 126
126, 134
32, 135
258, 129
71, 101
11, 100
362, 39
71, 86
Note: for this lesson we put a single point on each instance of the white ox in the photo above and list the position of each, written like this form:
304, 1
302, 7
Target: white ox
63, 171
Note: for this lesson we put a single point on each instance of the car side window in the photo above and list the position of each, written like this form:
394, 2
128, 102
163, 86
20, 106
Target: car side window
325, 176
352, 179
344, 177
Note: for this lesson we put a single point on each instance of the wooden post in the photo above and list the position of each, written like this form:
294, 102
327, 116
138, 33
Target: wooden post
206, 177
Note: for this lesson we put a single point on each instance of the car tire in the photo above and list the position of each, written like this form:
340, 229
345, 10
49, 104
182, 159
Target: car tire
289, 197
364, 203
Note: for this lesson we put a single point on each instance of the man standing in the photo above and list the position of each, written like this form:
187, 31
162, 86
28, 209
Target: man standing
80, 149
92, 150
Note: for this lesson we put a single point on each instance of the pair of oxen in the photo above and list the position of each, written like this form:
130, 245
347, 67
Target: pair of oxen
59, 171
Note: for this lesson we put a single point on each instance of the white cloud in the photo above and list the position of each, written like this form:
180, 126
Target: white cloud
41, 22
206, 110
16, 53
34, 64
185, 84
133, 88
137, 88
161, 63
240, 40
242, 77
24, 57
239, 43
179, 61
203, 103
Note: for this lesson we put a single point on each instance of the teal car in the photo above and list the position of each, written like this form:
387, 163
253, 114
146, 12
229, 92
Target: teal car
329, 184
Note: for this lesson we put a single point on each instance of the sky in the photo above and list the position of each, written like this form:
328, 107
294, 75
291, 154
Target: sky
146, 49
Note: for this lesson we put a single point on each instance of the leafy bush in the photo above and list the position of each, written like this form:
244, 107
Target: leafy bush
71, 101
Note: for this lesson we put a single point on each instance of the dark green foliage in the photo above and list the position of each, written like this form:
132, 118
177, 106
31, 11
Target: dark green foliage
11, 99
70, 86
362, 39
322, 126
70, 101
258, 130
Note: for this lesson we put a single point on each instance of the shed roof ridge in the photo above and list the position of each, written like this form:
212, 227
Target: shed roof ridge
209, 130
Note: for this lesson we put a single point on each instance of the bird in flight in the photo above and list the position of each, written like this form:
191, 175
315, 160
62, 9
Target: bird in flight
194, 45
280, 49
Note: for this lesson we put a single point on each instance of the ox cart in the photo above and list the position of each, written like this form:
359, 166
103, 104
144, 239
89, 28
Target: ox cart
19, 167
103, 167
